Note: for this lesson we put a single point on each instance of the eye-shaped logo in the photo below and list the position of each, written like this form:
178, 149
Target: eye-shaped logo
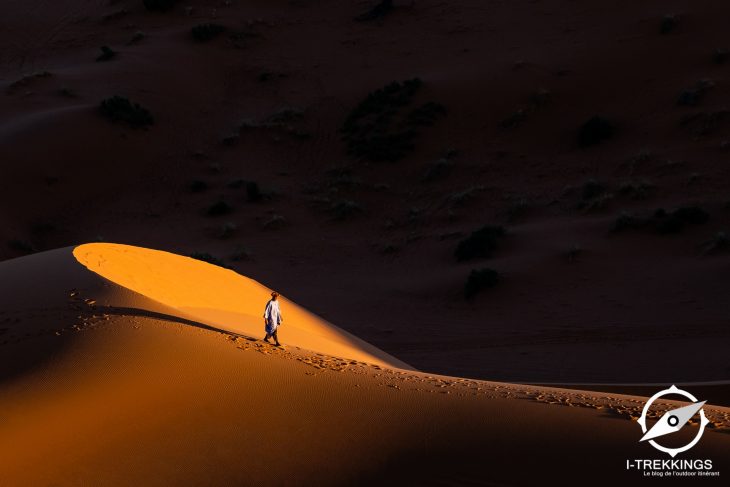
673, 420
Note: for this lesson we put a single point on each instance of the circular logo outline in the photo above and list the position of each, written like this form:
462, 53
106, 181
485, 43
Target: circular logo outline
703, 420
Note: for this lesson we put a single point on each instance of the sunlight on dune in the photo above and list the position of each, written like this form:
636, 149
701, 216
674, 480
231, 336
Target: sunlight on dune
220, 297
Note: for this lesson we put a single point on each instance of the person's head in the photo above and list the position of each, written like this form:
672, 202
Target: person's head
274, 295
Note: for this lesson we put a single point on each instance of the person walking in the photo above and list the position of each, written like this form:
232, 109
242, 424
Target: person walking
272, 319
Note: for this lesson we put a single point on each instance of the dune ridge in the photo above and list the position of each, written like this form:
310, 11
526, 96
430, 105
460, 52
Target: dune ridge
220, 297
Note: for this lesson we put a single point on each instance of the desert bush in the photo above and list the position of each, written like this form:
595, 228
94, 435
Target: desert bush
692, 96
675, 221
540, 98
441, 167
285, 115
535, 101
284, 120
227, 230
206, 32
27, 80
377, 12
460, 198
437, 170
426, 114
514, 119
662, 221
384, 147
136, 37
253, 192
720, 55
67, 93
274, 222
638, 190
595, 130
518, 208
22, 246
381, 103
704, 123
719, 243
668, 24
478, 280
373, 129
210, 259
159, 5
627, 221
592, 189
230, 140
219, 208
342, 210
594, 196
107, 53
198, 186
241, 253
572, 254
480, 244
120, 109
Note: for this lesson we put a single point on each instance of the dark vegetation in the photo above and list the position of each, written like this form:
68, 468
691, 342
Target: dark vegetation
538, 99
274, 222
426, 114
594, 131
107, 53
137, 37
284, 120
692, 96
720, 55
704, 123
440, 168
198, 186
480, 244
377, 12
377, 129
219, 208
210, 259
22, 246
342, 210
26, 81
637, 190
253, 192
661, 221
594, 196
206, 32
720, 243
120, 109
478, 280
668, 24
227, 230
159, 5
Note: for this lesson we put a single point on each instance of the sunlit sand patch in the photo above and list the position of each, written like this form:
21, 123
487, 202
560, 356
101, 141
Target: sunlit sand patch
221, 298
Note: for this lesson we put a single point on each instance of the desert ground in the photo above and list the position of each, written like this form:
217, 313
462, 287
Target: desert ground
529, 198
103, 385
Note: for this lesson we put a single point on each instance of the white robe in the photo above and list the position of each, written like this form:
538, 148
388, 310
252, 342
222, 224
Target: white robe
272, 315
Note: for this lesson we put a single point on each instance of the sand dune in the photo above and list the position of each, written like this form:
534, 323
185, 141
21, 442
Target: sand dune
220, 298
129, 389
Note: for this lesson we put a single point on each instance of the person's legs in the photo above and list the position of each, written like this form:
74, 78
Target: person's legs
266, 338
276, 337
